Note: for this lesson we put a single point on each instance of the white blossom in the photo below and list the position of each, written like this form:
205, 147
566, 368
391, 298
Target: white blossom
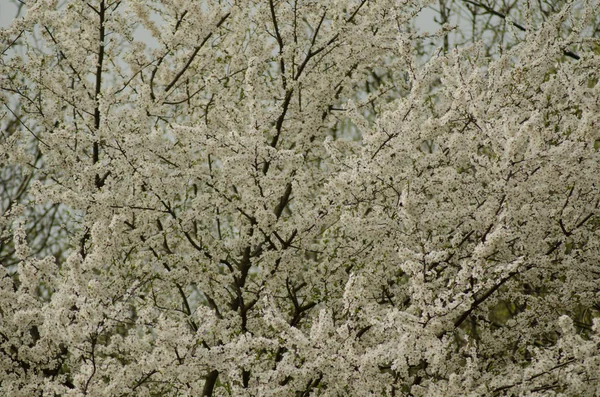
282, 198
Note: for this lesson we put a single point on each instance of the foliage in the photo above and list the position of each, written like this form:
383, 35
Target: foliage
298, 198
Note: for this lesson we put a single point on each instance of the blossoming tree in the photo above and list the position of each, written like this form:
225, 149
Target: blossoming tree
295, 198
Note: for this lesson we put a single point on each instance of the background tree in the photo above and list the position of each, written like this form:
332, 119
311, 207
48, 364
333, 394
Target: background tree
297, 198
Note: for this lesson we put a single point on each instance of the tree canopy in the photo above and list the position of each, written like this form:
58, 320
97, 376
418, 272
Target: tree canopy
300, 198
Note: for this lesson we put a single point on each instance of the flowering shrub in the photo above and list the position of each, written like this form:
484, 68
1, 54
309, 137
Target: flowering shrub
297, 198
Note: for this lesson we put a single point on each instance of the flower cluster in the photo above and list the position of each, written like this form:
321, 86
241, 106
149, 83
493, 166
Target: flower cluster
297, 198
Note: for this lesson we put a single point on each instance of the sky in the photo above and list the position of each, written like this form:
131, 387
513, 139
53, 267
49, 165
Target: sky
7, 12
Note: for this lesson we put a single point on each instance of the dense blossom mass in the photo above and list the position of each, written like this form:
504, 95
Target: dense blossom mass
300, 198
